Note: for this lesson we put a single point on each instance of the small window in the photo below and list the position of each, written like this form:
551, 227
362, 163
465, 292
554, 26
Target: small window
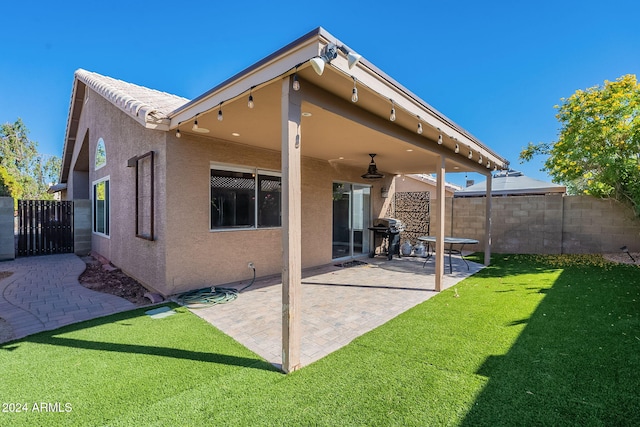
101, 154
101, 207
269, 208
234, 192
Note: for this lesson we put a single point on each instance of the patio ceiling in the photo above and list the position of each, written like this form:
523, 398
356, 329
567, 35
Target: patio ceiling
333, 128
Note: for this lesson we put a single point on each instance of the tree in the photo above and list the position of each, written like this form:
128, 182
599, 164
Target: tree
31, 172
598, 148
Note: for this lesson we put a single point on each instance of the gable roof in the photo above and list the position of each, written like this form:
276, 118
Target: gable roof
512, 183
150, 107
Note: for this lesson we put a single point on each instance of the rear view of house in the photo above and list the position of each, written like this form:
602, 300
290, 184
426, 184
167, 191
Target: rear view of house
267, 167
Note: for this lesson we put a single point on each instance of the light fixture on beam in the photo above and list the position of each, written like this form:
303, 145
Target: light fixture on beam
329, 53
178, 134
419, 130
457, 149
195, 124
372, 172
220, 116
470, 154
392, 115
480, 160
352, 57
440, 139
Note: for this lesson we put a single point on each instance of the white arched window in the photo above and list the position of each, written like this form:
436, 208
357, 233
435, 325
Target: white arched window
101, 154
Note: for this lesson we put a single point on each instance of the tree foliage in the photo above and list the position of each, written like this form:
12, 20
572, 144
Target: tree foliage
25, 173
598, 148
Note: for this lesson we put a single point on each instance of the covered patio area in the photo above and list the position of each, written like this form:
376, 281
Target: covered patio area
338, 304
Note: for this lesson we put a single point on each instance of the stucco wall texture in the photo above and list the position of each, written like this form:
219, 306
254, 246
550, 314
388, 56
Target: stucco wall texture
199, 257
123, 139
185, 254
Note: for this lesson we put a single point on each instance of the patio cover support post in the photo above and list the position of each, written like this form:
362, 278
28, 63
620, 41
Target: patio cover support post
291, 227
487, 223
440, 205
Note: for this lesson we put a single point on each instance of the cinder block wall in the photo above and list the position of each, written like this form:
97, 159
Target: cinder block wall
546, 224
7, 239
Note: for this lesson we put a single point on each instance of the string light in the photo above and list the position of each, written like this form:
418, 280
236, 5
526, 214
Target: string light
470, 154
296, 82
178, 134
440, 139
220, 117
250, 104
354, 92
195, 123
392, 116
419, 126
457, 148
480, 160
488, 164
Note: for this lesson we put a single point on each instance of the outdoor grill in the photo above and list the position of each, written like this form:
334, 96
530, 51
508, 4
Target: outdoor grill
387, 232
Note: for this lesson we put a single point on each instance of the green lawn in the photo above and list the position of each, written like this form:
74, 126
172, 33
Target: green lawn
531, 340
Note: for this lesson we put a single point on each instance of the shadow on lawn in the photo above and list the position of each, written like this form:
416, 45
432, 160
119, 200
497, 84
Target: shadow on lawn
54, 338
577, 361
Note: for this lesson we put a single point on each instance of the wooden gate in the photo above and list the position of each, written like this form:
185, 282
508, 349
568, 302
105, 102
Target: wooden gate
45, 227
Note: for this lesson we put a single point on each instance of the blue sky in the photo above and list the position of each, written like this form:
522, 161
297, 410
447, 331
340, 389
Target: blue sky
495, 68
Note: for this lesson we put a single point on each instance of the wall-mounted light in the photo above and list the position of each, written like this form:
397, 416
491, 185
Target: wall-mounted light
354, 92
352, 57
220, 116
251, 104
419, 130
329, 53
384, 192
392, 115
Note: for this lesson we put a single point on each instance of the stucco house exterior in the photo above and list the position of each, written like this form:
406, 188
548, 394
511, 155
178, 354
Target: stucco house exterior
185, 193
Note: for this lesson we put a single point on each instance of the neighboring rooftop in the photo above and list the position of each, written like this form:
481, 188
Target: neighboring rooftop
512, 183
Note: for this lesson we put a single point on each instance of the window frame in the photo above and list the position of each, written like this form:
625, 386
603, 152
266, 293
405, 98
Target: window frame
256, 172
107, 208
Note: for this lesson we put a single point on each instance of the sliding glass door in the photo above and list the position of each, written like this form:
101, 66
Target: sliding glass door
351, 216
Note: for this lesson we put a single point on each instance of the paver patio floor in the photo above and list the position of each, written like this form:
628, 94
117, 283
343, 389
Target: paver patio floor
338, 304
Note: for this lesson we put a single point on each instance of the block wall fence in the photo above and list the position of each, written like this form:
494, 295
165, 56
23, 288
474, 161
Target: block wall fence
545, 224
520, 224
81, 228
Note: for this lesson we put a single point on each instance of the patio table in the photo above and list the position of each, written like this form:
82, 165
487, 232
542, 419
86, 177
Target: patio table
451, 241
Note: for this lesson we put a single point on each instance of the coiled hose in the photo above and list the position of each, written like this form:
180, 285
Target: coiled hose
207, 297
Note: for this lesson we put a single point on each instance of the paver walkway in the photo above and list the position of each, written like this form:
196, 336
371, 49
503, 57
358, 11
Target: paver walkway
43, 293
338, 305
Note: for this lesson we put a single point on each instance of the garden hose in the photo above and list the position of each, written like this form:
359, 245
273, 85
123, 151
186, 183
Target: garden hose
208, 297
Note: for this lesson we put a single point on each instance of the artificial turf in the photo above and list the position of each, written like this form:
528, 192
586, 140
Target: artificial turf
530, 340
